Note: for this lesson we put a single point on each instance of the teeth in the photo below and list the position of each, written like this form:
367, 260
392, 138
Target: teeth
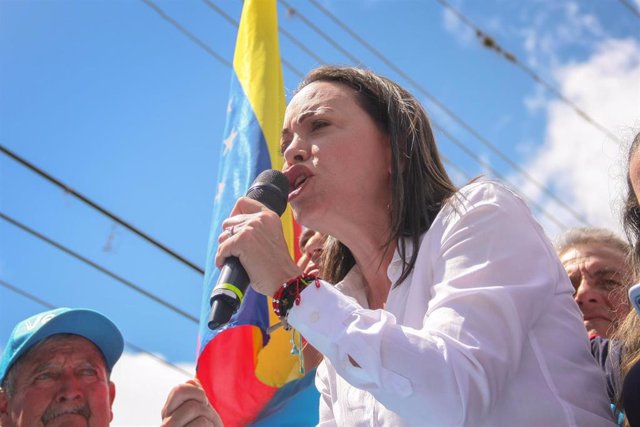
299, 181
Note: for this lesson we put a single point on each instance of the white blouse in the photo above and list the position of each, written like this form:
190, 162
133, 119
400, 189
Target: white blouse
483, 332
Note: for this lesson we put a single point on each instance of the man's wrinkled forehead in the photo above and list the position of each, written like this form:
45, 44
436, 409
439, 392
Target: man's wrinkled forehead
595, 250
598, 260
55, 345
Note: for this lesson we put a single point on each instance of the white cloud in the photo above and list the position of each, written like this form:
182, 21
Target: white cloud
142, 386
553, 27
585, 167
578, 24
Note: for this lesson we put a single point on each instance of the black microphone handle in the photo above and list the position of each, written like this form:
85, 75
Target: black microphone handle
229, 292
270, 188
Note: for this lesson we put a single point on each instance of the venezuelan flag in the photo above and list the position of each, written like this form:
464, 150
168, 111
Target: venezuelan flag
240, 366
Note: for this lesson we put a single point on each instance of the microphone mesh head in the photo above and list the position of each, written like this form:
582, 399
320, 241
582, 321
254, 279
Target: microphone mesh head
271, 188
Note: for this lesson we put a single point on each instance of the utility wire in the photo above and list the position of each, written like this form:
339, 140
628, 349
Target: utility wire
159, 359
235, 24
187, 33
104, 270
222, 13
301, 46
490, 43
202, 44
442, 106
448, 111
287, 34
457, 142
99, 208
294, 12
26, 294
431, 97
631, 7
457, 168
127, 343
495, 172
467, 177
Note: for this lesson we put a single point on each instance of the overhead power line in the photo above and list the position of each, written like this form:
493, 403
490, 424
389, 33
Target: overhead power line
26, 294
100, 268
284, 32
99, 208
495, 172
187, 33
634, 9
195, 39
441, 128
490, 43
294, 12
462, 123
435, 100
468, 177
457, 168
129, 344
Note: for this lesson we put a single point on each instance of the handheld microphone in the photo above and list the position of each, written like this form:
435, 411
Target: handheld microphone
271, 188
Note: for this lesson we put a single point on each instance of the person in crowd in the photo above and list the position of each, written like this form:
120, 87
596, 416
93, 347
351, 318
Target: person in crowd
311, 246
596, 261
628, 333
56, 368
450, 305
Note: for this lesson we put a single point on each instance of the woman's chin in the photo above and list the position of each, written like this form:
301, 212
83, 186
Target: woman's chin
305, 214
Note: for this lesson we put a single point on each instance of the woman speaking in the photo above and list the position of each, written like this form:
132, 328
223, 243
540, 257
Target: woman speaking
451, 307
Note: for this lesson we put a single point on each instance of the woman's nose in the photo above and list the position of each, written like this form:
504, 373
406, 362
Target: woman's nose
296, 152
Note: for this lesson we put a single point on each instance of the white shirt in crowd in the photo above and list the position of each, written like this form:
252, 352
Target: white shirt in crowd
483, 332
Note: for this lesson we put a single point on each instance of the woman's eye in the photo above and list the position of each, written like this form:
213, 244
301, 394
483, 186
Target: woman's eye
283, 146
317, 124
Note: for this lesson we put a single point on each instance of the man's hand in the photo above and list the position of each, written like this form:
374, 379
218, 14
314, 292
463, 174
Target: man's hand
187, 404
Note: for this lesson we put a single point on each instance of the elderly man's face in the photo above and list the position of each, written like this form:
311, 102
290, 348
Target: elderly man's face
61, 382
595, 271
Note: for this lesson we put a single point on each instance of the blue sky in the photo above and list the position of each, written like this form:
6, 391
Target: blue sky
117, 103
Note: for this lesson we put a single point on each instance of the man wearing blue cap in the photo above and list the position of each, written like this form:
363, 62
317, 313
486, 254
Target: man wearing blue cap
56, 367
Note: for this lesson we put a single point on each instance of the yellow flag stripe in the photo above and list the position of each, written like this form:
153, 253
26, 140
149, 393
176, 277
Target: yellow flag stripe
257, 66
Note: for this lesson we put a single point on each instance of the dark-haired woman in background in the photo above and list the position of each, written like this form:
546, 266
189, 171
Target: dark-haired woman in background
628, 333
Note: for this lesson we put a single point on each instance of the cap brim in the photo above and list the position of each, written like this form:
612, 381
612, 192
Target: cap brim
86, 323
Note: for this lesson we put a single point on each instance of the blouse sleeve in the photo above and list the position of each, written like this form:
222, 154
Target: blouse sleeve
491, 273
327, 419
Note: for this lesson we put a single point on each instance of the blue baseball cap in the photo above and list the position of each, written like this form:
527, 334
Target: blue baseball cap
86, 323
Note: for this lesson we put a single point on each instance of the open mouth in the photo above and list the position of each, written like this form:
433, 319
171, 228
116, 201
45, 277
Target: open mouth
299, 181
298, 177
